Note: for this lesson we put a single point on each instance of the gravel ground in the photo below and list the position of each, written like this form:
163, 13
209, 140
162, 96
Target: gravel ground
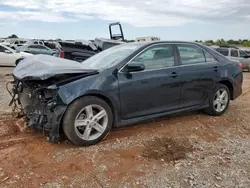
4, 95
189, 150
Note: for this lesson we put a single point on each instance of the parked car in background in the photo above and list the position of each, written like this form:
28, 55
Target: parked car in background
123, 85
36, 41
245, 64
77, 51
80, 50
17, 43
38, 49
247, 51
2, 40
10, 57
233, 53
6, 44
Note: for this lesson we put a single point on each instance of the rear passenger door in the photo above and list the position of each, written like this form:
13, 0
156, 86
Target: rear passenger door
198, 72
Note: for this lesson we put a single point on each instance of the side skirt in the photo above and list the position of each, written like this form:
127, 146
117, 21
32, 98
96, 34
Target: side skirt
123, 123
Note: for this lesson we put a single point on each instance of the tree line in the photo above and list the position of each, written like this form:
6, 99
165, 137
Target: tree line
222, 42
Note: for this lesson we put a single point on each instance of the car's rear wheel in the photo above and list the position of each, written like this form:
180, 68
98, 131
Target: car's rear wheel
219, 101
87, 121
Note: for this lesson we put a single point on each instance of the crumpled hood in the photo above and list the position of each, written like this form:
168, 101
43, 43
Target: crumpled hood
42, 67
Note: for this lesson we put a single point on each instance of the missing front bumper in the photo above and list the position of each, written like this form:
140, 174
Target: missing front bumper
41, 107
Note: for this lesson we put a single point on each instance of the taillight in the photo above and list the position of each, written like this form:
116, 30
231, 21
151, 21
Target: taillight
240, 65
61, 54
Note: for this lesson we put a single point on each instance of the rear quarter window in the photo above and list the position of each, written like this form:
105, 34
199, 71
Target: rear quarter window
224, 52
190, 54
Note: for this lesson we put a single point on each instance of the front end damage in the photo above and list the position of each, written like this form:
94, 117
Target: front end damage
37, 82
41, 105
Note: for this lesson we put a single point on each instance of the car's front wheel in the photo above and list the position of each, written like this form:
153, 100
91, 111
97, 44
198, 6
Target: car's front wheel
87, 121
219, 101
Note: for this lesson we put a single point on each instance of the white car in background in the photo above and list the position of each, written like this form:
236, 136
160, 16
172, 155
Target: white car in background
10, 57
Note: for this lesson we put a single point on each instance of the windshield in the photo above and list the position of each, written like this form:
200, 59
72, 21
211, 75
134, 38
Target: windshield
8, 48
111, 56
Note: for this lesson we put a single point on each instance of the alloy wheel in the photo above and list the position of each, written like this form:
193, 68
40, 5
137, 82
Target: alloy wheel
91, 122
221, 99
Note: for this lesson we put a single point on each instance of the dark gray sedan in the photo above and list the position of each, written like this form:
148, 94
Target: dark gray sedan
123, 85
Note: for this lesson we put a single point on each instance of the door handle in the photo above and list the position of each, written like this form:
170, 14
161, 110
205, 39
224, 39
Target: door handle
174, 75
215, 69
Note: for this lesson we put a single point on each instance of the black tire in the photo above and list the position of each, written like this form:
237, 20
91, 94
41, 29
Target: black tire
71, 114
211, 109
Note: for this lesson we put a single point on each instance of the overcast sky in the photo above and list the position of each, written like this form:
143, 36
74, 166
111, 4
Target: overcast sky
87, 19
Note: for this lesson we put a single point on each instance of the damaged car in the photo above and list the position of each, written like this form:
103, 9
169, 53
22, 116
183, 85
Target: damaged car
123, 85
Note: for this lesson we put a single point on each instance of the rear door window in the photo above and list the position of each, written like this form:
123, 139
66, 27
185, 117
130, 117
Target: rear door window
190, 54
234, 53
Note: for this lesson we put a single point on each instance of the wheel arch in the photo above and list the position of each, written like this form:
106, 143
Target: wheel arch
107, 99
229, 86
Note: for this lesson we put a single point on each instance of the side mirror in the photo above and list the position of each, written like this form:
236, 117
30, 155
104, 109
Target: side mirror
7, 51
134, 67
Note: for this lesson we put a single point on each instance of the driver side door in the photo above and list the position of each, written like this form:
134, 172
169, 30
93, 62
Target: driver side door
153, 90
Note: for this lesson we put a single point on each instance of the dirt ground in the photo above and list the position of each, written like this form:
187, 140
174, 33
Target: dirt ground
189, 150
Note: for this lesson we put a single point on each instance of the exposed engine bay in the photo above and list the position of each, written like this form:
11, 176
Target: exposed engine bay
37, 95
39, 103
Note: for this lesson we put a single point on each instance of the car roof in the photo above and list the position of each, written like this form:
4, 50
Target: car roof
216, 54
165, 41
